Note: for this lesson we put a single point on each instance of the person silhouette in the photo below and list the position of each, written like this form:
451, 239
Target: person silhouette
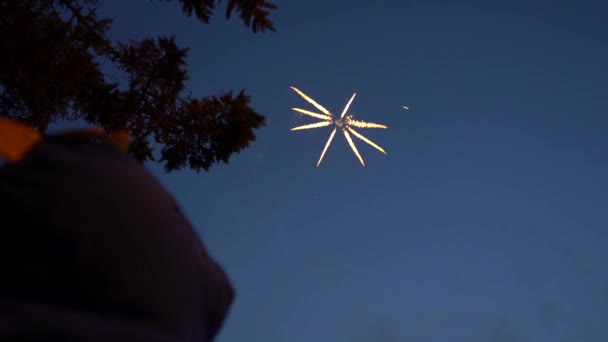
94, 248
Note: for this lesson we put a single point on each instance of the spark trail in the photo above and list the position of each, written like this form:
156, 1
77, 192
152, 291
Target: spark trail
344, 123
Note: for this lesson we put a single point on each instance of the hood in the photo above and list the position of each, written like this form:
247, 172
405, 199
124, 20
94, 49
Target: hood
93, 248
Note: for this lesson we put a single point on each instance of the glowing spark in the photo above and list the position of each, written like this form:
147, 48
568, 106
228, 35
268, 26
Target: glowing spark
360, 136
331, 136
313, 114
347, 105
344, 123
312, 102
363, 124
406, 107
352, 145
314, 125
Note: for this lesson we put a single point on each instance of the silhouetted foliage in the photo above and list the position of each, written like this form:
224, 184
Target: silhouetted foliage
51, 53
253, 12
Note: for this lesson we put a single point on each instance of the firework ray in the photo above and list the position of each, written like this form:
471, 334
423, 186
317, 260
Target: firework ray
352, 145
311, 101
348, 105
364, 124
313, 114
331, 136
313, 125
343, 122
360, 136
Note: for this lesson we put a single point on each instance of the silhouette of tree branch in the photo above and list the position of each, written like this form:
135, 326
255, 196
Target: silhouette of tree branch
50, 71
254, 13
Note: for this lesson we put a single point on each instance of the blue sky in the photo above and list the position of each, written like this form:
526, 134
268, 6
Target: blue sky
485, 221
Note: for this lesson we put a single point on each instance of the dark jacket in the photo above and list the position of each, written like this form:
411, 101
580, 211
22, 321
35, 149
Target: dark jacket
93, 248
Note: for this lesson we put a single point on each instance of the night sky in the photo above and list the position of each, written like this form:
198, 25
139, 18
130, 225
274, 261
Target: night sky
486, 220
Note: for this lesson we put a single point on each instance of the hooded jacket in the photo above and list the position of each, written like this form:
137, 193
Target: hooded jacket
93, 248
